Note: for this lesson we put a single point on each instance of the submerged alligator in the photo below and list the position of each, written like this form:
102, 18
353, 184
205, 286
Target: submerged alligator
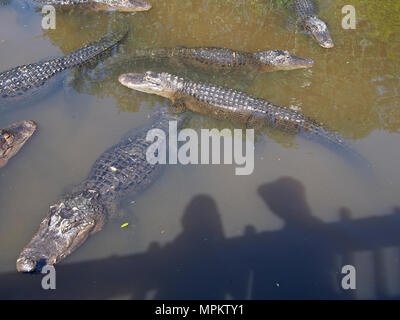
27, 81
118, 5
123, 169
223, 58
229, 104
310, 22
13, 138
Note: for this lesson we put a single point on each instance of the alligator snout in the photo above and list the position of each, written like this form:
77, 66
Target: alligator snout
28, 264
25, 264
131, 79
140, 5
295, 62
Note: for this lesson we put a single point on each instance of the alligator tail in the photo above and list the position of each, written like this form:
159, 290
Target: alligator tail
93, 49
154, 54
320, 134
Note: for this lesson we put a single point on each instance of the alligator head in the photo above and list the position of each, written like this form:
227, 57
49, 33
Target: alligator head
66, 226
124, 5
282, 60
160, 83
319, 31
13, 138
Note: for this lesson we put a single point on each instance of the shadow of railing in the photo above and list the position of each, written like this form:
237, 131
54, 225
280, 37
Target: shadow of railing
296, 262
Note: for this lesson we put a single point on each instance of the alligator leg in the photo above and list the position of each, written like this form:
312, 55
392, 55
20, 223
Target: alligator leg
178, 106
254, 121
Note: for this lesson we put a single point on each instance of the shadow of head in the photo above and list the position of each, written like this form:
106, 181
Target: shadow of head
201, 219
286, 197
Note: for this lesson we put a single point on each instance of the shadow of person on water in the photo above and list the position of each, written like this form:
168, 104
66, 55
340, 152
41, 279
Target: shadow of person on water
199, 267
295, 262
298, 263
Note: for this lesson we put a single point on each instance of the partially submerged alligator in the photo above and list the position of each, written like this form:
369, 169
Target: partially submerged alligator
223, 58
13, 138
118, 5
310, 22
229, 104
27, 81
120, 170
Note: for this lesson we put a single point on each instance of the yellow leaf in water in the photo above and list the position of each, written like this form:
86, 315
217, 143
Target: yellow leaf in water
124, 225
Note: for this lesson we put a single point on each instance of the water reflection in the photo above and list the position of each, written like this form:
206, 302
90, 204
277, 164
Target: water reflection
297, 262
352, 88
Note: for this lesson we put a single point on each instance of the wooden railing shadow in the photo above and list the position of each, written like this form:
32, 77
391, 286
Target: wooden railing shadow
296, 262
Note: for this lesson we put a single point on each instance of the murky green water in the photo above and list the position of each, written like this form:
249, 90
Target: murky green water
201, 231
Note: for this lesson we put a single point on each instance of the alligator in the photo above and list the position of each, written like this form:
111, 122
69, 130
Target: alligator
310, 22
13, 138
27, 81
228, 104
118, 5
123, 169
223, 58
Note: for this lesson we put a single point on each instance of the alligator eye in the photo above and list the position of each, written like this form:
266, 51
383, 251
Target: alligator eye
152, 82
65, 226
8, 137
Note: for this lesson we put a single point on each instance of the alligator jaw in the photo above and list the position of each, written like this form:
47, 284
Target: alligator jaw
298, 63
319, 31
66, 227
125, 5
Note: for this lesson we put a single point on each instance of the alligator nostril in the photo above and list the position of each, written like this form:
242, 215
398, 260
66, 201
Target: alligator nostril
31, 124
26, 265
